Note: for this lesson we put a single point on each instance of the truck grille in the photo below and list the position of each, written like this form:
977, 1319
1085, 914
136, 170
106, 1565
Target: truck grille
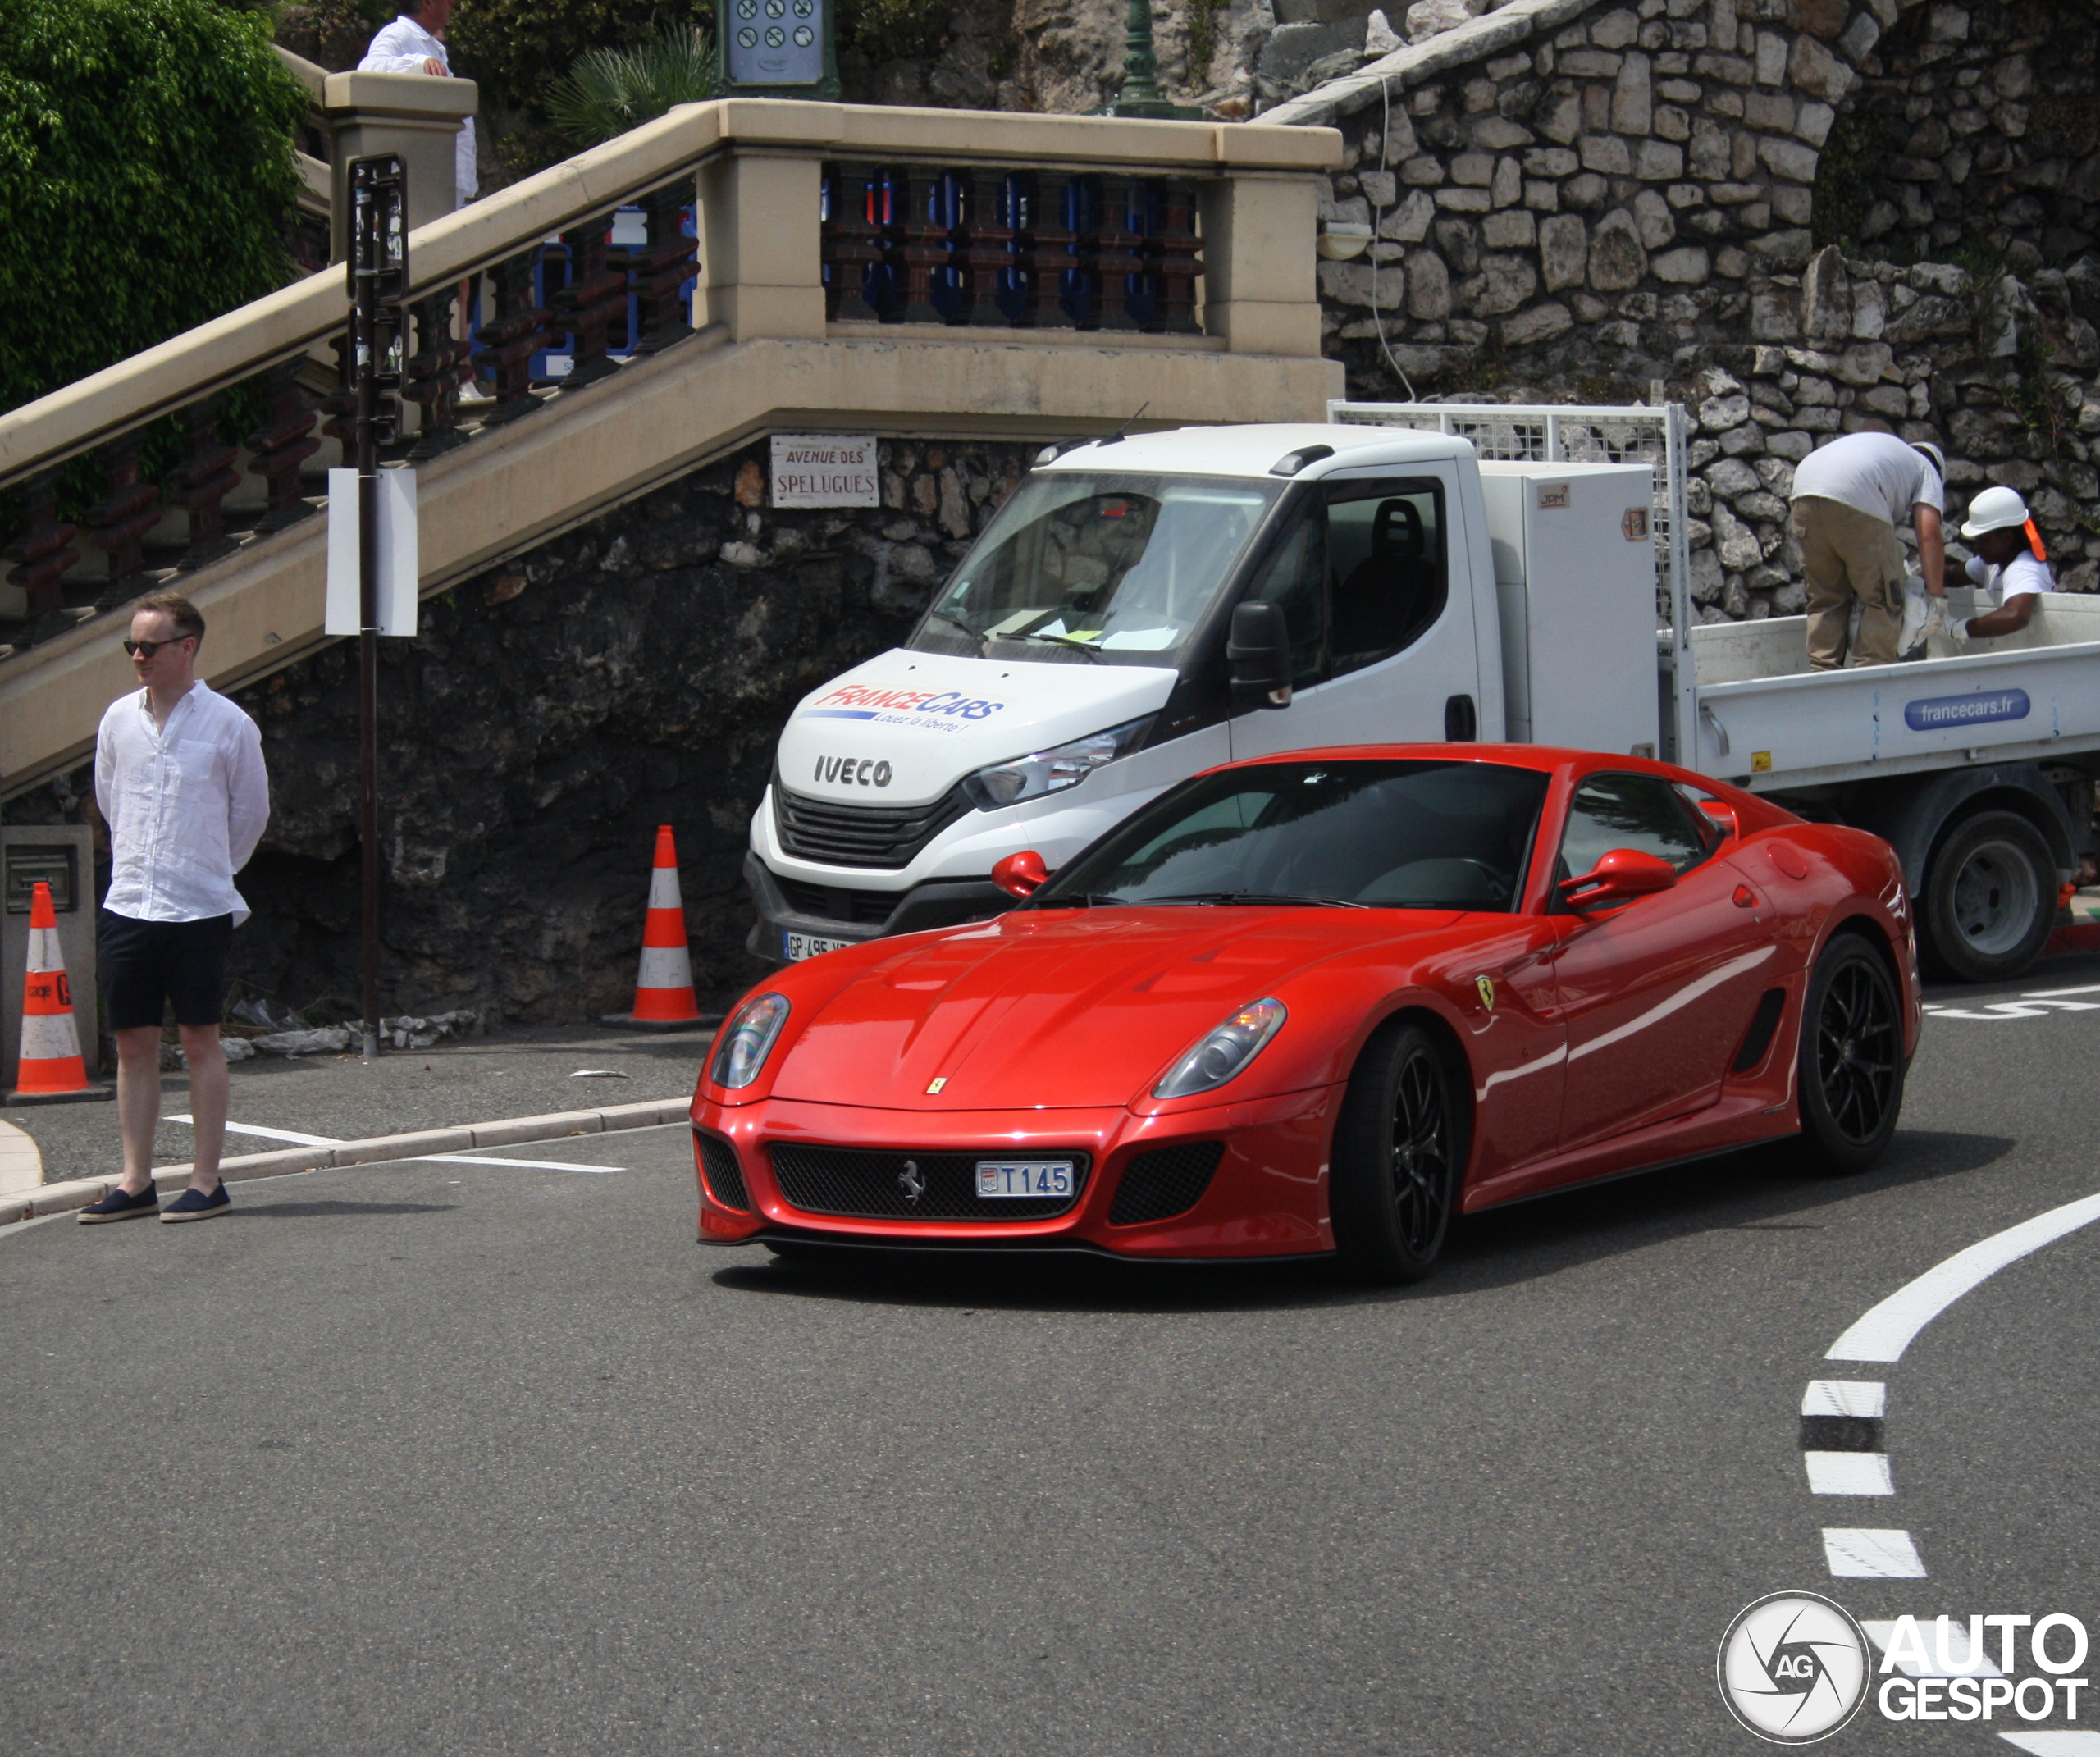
725, 1177
1168, 1181
832, 902
858, 1181
880, 838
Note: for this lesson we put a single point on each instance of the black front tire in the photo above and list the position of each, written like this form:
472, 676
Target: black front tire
1990, 898
1852, 1057
1399, 1157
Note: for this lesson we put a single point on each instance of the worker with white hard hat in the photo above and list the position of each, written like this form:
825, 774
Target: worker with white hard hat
1849, 497
2010, 563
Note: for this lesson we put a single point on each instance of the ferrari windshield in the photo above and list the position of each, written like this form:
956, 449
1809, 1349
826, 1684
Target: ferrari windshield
1086, 568
1371, 834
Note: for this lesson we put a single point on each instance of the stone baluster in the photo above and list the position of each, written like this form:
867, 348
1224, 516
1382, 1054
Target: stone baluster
852, 244
435, 372
594, 300
205, 477
118, 522
282, 443
40, 553
922, 234
1172, 253
1046, 251
660, 268
508, 344
1109, 253
988, 250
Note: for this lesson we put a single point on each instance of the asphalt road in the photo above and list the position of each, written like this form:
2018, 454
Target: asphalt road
437, 1458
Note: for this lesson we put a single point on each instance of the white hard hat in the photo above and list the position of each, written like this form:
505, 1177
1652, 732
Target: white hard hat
1995, 510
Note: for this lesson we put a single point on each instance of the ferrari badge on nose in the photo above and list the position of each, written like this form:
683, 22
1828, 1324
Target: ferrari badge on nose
935, 1086
911, 1180
1485, 984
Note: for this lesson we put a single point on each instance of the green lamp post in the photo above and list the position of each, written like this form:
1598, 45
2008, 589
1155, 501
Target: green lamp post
775, 48
1140, 95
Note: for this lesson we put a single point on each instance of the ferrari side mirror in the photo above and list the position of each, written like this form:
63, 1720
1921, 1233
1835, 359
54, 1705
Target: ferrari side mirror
1020, 874
1621, 875
1723, 816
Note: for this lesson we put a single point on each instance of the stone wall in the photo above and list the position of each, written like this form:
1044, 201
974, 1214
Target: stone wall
552, 712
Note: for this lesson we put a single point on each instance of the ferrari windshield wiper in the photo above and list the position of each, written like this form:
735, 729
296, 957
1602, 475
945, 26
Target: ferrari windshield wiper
1087, 647
1075, 900
1255, 897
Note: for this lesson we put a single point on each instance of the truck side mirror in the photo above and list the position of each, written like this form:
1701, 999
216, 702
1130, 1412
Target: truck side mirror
1258, 655
1621, 875
1020, 874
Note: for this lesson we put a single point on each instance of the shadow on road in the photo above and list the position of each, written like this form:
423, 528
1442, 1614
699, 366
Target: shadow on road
1762, 1189
315, 1210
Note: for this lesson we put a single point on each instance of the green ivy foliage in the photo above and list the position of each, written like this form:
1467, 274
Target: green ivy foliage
146, 172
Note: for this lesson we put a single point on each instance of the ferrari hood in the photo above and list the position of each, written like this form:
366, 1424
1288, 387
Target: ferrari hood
903, 728
1069, 1009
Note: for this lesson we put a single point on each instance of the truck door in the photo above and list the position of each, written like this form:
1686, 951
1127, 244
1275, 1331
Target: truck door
1381, 633
1658, 993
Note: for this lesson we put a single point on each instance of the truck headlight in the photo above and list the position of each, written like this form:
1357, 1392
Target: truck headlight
1225, 1052
1052, 771
746, 1040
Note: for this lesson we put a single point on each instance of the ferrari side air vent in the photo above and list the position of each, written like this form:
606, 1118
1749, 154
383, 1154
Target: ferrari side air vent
1168, 1181
725, 1177
1763, 1023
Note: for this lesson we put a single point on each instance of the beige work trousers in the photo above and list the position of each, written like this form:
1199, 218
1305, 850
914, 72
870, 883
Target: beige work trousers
1846, 553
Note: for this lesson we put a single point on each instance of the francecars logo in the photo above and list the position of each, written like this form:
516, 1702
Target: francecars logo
1794, 1668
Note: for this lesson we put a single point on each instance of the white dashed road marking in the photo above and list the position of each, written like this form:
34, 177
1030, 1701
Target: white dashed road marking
1864, 1554
1845, 1397
1848, 1473
431, 1159
2056, 1744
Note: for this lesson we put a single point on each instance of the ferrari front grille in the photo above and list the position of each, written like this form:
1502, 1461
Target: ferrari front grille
908, 1185
879, 838
1168, 1181
725, 1177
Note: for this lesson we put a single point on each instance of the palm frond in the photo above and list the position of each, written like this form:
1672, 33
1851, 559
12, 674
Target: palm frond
609, 91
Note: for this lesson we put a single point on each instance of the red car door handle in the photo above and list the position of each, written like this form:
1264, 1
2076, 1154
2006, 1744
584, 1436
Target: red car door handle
1745, 898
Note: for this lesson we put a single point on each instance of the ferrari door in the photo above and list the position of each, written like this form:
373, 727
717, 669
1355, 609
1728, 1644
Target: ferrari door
1657, 993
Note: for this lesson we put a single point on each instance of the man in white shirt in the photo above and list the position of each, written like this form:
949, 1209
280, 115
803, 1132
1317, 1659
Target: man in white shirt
1849, 497
2008, 564
178, 777
413, 43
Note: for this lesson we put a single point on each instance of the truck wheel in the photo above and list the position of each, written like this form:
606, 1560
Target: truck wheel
1852, 1057
1990, 898
1399, 1154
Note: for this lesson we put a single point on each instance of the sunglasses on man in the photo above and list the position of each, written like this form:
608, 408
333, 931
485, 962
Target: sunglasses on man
147, 649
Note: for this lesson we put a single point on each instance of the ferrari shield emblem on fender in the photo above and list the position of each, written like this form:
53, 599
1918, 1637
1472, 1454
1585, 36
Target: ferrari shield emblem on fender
1485, 984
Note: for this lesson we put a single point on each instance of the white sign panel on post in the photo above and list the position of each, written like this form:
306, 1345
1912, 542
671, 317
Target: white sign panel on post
824, 469
399, 569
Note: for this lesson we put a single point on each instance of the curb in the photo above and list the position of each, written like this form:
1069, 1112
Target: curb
58, 1199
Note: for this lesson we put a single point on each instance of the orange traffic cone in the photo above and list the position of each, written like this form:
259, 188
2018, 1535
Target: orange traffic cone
662, 991
51, 1068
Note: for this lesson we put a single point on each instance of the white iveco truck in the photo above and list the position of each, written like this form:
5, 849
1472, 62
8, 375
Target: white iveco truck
1144, 608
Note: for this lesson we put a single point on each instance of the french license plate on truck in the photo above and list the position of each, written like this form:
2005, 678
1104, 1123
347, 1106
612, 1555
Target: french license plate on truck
796, 947
1023, 1178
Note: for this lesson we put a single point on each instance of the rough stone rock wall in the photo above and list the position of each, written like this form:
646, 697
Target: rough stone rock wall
552, 712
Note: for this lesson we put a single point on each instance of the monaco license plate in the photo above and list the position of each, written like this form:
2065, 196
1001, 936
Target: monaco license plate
1022, 1178
797, 947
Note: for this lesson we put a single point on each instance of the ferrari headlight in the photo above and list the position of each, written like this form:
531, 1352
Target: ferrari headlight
1042, 772
746, 1040
1224, 1053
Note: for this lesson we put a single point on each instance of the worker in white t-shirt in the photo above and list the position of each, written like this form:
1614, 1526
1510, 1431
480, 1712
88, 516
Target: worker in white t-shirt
1849, 497
414, 43
2010, 563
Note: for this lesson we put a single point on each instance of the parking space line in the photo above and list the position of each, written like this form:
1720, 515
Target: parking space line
427, 1159
1856, 1553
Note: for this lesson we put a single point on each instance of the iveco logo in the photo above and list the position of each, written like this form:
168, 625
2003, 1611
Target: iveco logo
845, 771
911, 1180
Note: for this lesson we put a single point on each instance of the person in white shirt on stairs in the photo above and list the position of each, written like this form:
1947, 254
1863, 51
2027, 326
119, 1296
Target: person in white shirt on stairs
180, 780
414, 43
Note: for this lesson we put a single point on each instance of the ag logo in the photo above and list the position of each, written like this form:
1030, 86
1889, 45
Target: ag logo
1793, 1668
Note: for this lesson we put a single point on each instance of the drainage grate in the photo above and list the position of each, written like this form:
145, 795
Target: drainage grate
1168, 1181
877, 1184
725, 1177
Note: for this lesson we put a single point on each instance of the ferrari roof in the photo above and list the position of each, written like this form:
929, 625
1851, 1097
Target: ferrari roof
1255, 449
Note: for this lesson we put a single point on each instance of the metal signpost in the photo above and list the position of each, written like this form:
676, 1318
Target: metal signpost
775, 48
379, 284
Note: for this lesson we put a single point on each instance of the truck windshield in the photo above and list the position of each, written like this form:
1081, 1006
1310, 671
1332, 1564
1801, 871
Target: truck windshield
1081, 567
1369, 834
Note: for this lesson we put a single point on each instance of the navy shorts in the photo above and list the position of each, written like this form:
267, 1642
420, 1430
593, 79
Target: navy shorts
146, 965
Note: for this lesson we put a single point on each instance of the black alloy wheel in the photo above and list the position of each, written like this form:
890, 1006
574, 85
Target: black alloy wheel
1851, 1057
1399, 1156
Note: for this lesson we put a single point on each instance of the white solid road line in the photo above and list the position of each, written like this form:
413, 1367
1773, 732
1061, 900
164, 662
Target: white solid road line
1864, 1554
1956, 1659
2037, 1004
2056, 1744
429, 1159
1848, 1473
1886, 1332
1845, 1397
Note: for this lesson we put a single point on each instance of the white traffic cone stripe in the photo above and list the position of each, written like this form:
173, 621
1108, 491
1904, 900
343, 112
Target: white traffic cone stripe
44, 954
664, 888
665, 967
49, 1036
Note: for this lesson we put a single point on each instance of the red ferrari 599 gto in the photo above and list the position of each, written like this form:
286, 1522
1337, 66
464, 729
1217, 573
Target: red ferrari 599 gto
1322, 1002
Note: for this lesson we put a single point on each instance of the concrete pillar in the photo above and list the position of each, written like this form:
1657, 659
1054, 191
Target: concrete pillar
413, 114
1260, 247
760, 243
